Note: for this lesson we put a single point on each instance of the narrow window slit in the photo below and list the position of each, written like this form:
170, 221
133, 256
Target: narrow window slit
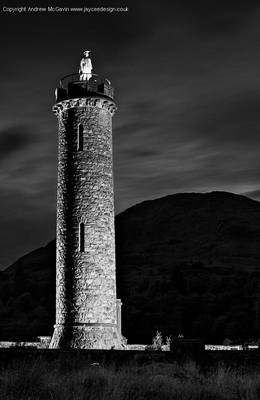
80, 137
81, 237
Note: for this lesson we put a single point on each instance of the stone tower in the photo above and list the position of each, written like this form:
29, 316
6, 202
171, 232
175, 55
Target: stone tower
87, 311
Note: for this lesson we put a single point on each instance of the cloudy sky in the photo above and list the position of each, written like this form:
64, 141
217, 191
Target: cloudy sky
187, 81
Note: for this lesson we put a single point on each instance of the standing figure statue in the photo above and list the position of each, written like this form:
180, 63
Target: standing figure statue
85, 67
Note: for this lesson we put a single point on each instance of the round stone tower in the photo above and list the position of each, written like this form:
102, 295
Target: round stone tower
87, 311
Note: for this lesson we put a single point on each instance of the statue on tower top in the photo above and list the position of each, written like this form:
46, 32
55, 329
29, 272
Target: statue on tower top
85, 68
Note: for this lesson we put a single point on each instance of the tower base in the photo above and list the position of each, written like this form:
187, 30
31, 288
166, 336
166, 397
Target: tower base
86, 336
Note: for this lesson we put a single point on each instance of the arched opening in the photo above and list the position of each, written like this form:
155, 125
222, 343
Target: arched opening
81, 237
80, 137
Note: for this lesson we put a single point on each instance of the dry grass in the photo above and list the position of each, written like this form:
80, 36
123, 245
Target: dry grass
72, 380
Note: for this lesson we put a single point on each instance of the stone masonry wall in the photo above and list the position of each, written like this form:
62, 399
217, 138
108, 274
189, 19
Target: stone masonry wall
86, 280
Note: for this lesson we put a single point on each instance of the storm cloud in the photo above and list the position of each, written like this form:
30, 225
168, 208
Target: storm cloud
14, 139
187, 84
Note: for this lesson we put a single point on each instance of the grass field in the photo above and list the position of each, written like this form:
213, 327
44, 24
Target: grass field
74, 380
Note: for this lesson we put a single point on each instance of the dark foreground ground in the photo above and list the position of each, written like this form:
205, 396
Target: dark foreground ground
112, 375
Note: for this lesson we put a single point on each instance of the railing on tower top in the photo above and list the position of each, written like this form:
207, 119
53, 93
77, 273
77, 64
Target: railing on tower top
73, 85
76, 78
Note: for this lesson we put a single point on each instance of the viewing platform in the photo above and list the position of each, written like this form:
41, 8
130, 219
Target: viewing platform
71, 86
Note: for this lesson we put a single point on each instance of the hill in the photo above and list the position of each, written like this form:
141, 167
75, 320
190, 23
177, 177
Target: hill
186, 263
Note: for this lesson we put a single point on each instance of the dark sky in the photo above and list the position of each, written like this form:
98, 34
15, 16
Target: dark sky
187, 81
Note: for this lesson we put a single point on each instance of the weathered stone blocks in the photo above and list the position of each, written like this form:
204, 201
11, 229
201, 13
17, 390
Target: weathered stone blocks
86, 305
